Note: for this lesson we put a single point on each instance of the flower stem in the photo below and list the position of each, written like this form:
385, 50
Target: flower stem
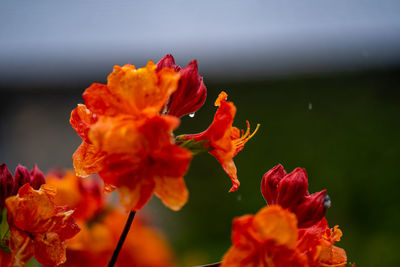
122, 238
210, 265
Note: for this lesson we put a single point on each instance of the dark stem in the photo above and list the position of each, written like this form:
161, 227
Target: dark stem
122, 238
210, 265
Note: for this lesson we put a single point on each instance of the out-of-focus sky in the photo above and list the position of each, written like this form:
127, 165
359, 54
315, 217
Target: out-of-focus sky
56, 40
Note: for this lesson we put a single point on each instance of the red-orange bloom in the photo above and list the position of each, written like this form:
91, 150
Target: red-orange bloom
85, 196
101, 225
271, 239
38, 227
127, 141
223, 140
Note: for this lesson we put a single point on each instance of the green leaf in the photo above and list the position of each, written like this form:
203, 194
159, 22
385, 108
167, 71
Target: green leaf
4, 231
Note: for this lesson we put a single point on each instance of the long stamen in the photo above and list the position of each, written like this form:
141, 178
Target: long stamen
246, 136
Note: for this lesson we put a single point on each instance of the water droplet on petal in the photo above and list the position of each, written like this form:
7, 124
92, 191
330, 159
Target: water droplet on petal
191, 115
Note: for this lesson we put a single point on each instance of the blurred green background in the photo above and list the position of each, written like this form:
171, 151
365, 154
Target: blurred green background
342, 128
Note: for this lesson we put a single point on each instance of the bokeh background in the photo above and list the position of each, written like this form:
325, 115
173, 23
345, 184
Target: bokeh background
321, 77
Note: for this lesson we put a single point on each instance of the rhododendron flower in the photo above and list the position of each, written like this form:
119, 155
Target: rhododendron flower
223, 140
38, 227
191, 92
291, 191
271, 239
101, 227
126, 139
10, 185
84, 196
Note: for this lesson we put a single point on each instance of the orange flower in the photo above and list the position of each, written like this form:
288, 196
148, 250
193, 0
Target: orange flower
94, 245
83, 195
271, 239
38, 227
223, 140
127, 141
101, 225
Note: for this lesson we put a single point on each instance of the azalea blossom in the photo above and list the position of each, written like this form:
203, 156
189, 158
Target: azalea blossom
101, 223
271, 239
38, 227
222, 139
291, 191
126, 139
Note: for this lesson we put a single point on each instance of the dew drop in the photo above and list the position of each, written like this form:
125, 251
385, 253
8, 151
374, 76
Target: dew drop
191, 115
310, 106
239, 197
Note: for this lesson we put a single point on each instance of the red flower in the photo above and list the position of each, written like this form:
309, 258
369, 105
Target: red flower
223, 140
38, 227
10, 185
271, 239
291, 191
191, 92
126, 139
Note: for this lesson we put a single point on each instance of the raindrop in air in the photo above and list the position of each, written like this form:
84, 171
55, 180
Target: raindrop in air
191, 115
239, 197
310, 106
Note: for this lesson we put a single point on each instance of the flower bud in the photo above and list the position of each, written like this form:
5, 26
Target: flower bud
6, 184
292, 189
269, 183
21, 177
37, 178
191, 92
312, 209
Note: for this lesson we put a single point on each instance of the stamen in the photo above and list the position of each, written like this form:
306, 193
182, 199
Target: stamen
246, 136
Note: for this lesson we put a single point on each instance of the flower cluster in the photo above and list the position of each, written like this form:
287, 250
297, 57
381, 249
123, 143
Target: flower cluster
101, 222
127, 131
37, 227
292, 231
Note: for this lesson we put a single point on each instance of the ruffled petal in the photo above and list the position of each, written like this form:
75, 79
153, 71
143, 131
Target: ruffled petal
81, 120
21, 247
172, 192
102, 101
88, 159
144, 91
135, 197
277, 224
49, 249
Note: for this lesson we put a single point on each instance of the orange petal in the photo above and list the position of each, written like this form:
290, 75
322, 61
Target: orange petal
81, 120
333, 256
100, 100
21, 247
87, 159
277, 224
241, 257
135, 198
172, 192
49, 249
143, 90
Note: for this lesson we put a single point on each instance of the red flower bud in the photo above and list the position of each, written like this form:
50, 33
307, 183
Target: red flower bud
269, 183
37, 178
312, 209
191, 92
21, 177
292, 189
6, 184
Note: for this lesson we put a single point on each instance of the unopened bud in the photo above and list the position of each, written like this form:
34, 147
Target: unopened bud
37, 178
312, 209
6, 184
292, 189
21, 177
269, 183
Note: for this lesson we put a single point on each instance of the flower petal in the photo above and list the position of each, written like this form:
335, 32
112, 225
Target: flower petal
101, 100
88, 159
136, 197
81, 120
172, 192
144, 91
